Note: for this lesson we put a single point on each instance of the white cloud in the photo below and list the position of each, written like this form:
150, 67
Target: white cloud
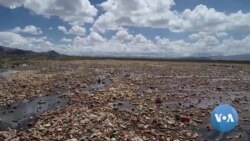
30, 29
123, 36
158, 14
12, 4
96, 38
201, 18
139, 38
95, 44
105, 22
77, 30
221, 34
210, 30
93, 38
15, 40
10, 39
139, 13
208, 19
205, 46
74, 30
66, 40
199, 35
63, 29
75, 12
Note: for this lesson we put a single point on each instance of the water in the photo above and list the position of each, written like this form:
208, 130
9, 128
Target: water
7, 73
125, 106
99, 85
18, 115
214, 135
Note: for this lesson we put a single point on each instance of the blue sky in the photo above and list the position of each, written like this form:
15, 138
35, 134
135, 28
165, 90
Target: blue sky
160, 28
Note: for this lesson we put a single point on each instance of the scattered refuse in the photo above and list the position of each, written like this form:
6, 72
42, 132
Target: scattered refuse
184, 118
136, 101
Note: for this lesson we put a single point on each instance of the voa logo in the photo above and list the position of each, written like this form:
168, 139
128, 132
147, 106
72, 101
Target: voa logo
224, 118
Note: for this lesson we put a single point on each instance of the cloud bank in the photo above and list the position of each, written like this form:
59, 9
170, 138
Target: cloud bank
208, 31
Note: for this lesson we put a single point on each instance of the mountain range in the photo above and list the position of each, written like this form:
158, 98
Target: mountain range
7, 51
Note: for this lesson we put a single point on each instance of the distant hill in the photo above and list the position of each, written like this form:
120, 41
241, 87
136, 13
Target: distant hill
194, 58
12, 51
50, 53
242, 57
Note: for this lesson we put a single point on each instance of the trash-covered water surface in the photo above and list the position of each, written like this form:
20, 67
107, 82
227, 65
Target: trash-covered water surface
123, 100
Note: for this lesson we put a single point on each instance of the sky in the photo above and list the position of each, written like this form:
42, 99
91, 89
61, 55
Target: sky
133, 28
